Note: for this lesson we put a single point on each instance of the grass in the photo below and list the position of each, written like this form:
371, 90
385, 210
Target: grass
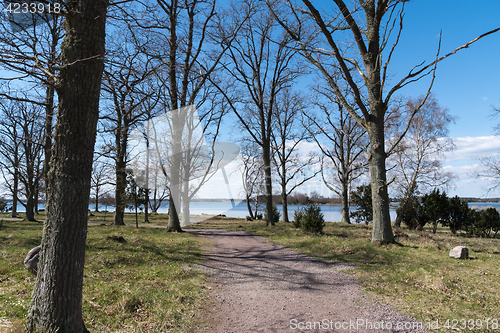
143, 285
415, 276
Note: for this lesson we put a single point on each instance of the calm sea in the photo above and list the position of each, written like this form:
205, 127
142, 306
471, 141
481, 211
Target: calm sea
332, 213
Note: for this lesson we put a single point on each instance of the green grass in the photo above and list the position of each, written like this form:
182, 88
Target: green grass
143, 285
416, 276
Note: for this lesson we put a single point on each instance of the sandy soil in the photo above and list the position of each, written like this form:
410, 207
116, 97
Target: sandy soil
258, 286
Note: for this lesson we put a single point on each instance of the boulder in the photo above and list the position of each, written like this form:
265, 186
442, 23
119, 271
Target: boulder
31, 261
459, 252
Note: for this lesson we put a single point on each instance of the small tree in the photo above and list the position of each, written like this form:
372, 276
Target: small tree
362, 197
482, 223
309, 219
135, 194
458, 214
409, 211
435, 209
276, 214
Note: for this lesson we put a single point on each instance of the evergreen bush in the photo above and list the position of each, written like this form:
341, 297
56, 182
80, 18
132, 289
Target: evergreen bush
312, 220
276, 214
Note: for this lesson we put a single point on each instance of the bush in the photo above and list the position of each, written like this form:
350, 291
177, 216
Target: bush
276, 214
298, 216
435, 209
459, 213
310, 219
480, 224
362, 198
410, 215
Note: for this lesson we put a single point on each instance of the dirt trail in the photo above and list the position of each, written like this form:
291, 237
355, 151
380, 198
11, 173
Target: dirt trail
263, 287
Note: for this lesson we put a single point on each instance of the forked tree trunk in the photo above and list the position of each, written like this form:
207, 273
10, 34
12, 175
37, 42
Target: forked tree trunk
56, 304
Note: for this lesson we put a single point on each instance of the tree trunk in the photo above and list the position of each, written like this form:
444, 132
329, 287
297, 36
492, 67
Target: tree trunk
382, 229
345, 202
136, 216
49, 115
185, 210
249, 207
268, 182
121, 176
56, 304
173, 219
97, 199
284, 204
30, 206
15, 191
146, 207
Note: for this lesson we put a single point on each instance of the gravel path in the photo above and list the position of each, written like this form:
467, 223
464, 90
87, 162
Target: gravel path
259, 286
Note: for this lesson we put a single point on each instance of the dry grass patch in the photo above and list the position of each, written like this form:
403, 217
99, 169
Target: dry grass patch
142, 285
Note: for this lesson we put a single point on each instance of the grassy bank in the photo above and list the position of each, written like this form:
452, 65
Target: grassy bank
143, 285
416, 276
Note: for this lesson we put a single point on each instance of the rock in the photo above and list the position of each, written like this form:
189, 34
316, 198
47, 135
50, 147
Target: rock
459, 252
31, 261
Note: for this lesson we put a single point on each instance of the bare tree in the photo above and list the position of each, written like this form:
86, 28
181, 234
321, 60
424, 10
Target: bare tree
56, 304
30, 53
362, 55
101, 176
416, 160
490, 170
252, 175
190, 38
343, 143
292, 169
126, 86
22, 133
262, 64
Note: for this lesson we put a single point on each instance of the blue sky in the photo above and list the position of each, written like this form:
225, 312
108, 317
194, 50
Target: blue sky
467, 83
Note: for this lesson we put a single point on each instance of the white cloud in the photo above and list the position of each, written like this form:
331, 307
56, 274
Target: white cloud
473, 148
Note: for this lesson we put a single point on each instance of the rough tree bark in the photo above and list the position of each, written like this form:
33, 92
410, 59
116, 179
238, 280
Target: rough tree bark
56, 304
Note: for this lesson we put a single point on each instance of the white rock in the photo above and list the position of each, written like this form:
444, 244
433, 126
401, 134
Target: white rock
459, 252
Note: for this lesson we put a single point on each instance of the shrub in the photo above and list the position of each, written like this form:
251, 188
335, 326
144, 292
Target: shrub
458, 214
276, 214
312, 219
362, 198
410, 215
482, 223
298, 216
435, 209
